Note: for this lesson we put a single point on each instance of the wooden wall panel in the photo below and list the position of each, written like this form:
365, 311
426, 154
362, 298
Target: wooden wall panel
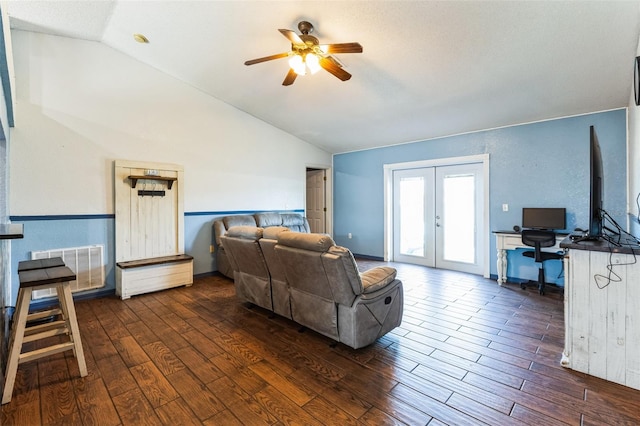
148, 226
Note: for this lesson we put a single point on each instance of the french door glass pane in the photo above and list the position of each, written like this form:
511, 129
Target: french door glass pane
412, 216
459, 218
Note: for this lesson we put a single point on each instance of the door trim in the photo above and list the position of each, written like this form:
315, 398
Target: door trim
451, 161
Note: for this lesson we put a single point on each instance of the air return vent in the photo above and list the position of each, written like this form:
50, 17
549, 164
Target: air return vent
86, 262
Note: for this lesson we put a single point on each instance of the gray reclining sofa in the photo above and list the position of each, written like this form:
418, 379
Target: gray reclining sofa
294, 221
309, 279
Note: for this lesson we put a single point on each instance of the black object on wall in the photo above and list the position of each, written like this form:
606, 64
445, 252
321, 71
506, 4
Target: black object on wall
636, 80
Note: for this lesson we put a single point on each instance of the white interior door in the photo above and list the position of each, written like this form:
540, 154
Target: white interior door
316, 210
438, 216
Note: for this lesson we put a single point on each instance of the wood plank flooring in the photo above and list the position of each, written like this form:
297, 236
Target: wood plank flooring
468, 352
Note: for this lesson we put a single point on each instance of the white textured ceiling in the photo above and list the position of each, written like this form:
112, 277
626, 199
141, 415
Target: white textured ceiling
428, 69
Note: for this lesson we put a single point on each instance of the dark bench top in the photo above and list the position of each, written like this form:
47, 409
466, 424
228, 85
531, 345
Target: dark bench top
28, 265
38, 277
11, 231
155, 261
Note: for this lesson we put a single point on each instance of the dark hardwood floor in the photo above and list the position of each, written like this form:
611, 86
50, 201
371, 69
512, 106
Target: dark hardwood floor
468, 352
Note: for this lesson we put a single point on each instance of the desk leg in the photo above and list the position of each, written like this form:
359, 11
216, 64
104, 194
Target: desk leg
502, 266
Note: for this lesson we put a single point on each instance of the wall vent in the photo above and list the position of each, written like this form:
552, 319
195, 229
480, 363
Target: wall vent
86, 262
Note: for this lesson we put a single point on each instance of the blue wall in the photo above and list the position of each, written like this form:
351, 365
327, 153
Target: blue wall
54, 232
543, 164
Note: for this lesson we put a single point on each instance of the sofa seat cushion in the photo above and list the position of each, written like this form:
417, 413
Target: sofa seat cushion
377, 278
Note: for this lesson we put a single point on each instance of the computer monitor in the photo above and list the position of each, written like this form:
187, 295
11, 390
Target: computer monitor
544, 218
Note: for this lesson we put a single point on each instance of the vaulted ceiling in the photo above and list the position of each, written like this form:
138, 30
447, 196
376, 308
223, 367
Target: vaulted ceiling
428, 68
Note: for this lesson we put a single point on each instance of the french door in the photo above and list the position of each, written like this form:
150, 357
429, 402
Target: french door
438, 216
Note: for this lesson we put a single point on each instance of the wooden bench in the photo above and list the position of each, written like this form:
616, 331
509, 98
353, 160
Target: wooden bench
156, 273
35, 275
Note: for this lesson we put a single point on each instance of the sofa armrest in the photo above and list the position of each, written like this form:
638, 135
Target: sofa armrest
376, 278
218, 231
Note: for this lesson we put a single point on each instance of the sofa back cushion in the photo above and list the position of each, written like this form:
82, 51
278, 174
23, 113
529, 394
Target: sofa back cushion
241, 242
251, 275
315, 265
221, 225
304, 241
265, 220
295, 222
300, 255
268, 244
280, 294
312, 299
239, 220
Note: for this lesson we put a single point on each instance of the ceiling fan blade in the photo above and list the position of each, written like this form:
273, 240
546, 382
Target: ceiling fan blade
267, 58
335, 61
293, 37
343, 48
334, 69
290, 78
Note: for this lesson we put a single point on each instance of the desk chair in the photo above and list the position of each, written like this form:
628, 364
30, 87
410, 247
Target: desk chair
538, 239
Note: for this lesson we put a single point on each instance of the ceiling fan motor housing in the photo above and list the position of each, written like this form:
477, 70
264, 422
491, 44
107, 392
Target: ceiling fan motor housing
305, 27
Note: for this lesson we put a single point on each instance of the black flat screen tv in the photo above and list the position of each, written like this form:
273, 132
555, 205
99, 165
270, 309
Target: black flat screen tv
595, 187
544, 218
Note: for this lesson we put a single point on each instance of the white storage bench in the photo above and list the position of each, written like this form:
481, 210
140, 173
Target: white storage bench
153, 274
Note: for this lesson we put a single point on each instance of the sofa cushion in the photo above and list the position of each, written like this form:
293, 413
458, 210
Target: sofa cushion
238, 220
272, 232
292, 219
313, 242
265, 220
377, 278
245, 232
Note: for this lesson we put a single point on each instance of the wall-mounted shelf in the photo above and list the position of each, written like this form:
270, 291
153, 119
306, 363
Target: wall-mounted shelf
169, 180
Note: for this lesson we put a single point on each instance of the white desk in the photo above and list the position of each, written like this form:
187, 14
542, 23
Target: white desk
510, 240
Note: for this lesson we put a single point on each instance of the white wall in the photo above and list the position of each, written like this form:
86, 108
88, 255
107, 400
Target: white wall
80, 105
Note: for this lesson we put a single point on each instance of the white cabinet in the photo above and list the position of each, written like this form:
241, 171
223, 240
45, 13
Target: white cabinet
602, 314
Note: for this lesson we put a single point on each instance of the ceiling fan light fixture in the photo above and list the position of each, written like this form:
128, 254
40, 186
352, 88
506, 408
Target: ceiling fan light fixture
313, 63
297, 64
307, 53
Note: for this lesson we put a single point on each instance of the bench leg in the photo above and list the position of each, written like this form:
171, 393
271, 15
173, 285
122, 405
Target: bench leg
15, 345
69, 313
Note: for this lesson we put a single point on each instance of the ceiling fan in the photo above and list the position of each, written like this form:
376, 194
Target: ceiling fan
307, 53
